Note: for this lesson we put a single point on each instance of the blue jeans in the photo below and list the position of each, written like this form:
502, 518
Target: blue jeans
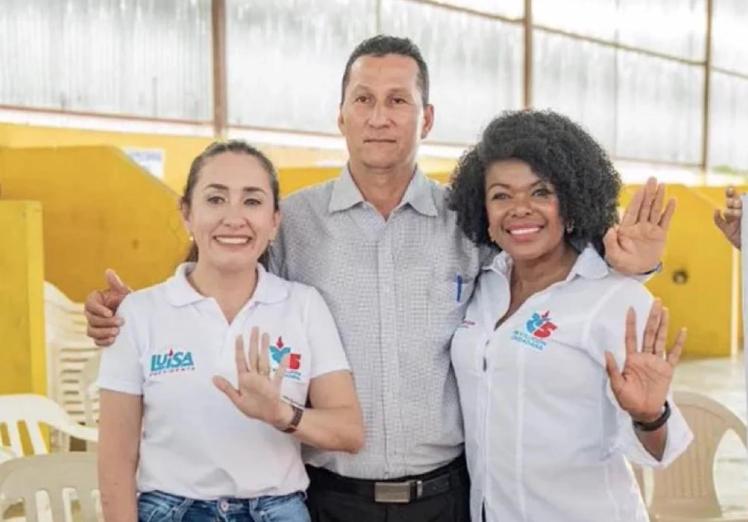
156, 506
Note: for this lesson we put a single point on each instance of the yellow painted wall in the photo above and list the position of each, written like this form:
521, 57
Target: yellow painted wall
717, 196
100, 210
293, 179
23, 367
178, 150
696, 247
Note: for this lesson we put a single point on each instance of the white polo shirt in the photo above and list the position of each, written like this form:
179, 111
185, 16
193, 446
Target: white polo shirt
195, 442
544, 436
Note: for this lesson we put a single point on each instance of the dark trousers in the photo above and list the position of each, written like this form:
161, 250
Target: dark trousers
333, 498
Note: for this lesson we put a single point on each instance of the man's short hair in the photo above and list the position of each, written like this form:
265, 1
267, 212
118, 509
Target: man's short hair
382, 45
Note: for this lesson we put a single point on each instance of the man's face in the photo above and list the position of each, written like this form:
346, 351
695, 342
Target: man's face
382, 116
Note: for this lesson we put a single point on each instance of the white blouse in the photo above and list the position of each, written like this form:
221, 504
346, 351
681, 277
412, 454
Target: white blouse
545, 438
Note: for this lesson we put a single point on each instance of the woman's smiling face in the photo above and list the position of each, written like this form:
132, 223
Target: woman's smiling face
523, 210
232, 215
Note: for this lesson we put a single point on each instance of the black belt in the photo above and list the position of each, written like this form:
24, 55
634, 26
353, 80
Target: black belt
395, 491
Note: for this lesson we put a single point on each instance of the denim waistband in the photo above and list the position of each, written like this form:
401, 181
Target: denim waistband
158, 505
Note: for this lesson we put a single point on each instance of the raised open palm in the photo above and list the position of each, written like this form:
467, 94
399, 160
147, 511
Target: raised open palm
258, 394
636, 245
641, 388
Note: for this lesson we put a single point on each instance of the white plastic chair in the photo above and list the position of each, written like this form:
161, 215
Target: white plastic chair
7, 454
66, 366
68, 350
56, 475
88, 390
685, 491
67, 318
35, 411
54, 295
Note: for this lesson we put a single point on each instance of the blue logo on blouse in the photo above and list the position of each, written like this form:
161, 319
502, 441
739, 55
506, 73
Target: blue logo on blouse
171, 362
278, 352
538, 328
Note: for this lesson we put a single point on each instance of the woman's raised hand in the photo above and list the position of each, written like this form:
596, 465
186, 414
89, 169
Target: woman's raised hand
259, 393
642, 387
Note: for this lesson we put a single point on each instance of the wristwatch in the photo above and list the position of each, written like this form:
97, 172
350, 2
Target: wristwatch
295, 420
655, 424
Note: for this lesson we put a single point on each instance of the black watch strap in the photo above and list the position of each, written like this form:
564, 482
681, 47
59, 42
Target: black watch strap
655, 424
295, 420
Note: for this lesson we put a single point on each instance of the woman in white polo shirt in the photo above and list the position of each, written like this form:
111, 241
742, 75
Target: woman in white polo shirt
194, 426
550, 421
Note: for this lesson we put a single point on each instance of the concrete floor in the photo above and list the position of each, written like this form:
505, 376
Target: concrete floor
723, 379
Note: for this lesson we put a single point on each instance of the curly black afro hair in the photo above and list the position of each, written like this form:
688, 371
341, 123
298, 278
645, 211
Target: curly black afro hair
557, 150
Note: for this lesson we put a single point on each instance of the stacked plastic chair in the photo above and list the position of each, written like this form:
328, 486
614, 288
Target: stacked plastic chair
68, 351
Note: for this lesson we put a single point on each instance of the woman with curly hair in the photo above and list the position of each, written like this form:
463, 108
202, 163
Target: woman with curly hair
550, 421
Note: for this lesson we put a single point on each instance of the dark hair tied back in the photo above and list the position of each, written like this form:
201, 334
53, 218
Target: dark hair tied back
214, 149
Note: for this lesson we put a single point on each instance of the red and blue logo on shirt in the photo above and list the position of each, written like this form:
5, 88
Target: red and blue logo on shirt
278, 351
538, 328
171, 362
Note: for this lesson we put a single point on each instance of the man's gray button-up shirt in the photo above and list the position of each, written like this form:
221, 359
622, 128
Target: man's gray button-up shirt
397, 289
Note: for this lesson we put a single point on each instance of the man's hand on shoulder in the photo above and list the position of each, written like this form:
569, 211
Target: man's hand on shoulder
101, 307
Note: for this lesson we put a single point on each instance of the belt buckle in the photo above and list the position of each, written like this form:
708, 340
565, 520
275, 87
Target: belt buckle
397, 492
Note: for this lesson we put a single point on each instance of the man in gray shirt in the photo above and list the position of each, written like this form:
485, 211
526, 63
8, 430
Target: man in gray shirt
384, 250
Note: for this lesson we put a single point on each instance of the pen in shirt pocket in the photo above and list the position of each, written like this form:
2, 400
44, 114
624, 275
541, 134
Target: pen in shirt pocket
458, 287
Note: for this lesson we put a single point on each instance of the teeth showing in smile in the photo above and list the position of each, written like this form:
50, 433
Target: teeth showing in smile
232, 240
523, 231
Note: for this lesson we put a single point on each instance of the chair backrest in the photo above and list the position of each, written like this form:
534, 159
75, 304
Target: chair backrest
88, 390
55, 296
686, 488
55, 474
68, 350
34, 411
69, 364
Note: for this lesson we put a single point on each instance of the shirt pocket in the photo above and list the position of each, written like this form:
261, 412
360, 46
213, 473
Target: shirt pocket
448, 299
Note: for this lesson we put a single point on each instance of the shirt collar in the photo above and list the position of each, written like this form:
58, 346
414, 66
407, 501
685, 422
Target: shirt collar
419, 195
179, 291
589, 265
345, 194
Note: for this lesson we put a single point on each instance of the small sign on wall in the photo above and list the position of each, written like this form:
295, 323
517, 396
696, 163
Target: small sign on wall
151, 160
